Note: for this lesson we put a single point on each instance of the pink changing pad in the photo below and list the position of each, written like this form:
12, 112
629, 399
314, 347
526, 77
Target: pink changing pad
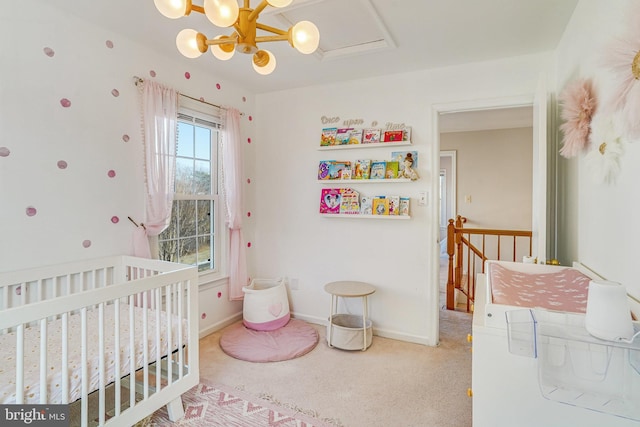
295, 339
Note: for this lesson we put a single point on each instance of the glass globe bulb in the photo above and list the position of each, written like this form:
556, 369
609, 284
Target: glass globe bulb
187, 43
171, 8
279, 3
305, 37
268, 59
222, 13
223, 51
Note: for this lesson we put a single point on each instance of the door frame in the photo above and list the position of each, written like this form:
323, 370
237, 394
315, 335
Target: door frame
452, 183
433, 327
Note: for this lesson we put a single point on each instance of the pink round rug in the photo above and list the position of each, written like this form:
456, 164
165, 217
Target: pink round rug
294, 339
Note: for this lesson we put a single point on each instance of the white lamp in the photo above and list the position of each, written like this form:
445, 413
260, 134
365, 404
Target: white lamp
187, 43
608, 314
222, 13
305, 37
264, 62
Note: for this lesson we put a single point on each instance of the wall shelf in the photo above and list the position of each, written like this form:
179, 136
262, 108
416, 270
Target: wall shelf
372, 145
362, 216
364, 181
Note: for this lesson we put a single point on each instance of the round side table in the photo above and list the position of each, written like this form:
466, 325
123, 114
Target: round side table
349, 289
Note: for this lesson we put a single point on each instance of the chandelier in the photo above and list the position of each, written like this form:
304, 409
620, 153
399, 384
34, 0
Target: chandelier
303, 36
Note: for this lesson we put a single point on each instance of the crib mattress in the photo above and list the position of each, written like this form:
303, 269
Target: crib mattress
54, 352
562, 290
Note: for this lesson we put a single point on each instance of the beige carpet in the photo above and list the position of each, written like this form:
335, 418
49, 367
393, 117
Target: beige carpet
393, 383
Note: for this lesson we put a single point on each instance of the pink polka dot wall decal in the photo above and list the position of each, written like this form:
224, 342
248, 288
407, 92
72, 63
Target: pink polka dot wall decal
115, 219
65, 103
152, 73
187, 75
203, 316
125, 137
49, 52
248, 214
19, 290
202, 99
4, 152
244, 99
219, 294
111, 173
218, 86
249, 140
248, 180
249, 244
62, 164
86, 243
109, 44
115, 92
31, 211
250, 118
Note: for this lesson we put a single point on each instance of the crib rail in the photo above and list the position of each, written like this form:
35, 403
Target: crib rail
147, 344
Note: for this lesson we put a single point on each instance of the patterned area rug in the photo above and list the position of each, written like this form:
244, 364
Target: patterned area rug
215, 405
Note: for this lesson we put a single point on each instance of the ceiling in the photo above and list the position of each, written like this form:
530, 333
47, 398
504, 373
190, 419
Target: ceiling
358, 38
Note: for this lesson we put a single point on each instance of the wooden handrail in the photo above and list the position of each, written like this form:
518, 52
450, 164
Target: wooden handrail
461, 248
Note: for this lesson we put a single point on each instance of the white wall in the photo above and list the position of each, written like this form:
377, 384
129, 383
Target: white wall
77, 204
398, 257
598, 222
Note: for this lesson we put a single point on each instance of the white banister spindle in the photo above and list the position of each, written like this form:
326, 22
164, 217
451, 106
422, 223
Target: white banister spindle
64, 374
43, 361
101, 364
84, 404
20, 364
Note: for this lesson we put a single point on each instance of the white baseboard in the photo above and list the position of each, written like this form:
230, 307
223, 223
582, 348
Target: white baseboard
219, 325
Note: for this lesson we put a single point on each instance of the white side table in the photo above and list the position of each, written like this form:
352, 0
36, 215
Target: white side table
349, 289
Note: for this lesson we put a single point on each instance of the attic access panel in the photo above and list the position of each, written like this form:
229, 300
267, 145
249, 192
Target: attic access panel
346, 27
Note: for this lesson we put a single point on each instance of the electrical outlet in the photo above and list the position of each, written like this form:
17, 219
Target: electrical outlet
423, 198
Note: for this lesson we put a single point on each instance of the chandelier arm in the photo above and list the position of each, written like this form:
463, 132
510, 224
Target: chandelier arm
255, 12
232, 39
195, 8
270, 29
264, 39
239, 31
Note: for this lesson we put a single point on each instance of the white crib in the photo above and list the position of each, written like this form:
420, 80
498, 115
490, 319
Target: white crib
89, 329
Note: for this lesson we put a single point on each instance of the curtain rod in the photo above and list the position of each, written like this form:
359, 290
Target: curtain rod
137, 80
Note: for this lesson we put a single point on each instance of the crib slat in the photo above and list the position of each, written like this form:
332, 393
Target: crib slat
116, 355
145, 348
132, 354
65, 358
169, 302
158, 346
101, 350
43, 361
20, 364
180, 337
84, 403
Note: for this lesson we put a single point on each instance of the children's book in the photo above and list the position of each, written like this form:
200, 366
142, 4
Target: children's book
378, 169
406, 133
394, 205
330, 200
323, 169
343, 136
392, 136
336, 168
391, 170
328, 137
355, 136
365, 205
370, 136
345, 173
380, 205
399, 156
350, 203
361, 169
404, 205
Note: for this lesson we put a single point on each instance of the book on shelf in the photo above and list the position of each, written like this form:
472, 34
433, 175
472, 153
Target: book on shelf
323, 169
378, 169
350, 203
370, 136
361, 169
336, 167
380, 205
399, 157
392, 136
404, 206
330, 201
366, 205
328, 137
391, 170
406, 134
355, 136
345, 173
394, 205
343, 135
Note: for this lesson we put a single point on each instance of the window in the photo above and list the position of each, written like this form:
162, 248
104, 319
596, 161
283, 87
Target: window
192, 236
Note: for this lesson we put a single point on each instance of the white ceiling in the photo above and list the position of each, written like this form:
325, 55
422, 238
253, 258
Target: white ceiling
358, 38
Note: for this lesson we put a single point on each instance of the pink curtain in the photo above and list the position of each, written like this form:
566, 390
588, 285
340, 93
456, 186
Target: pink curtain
232, 184
159, 126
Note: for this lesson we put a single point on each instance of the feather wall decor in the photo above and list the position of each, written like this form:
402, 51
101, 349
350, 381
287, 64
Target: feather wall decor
622, 58
579, 105
607, 146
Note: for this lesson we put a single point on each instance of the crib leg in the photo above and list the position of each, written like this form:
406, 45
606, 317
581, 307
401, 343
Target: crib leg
175, 409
